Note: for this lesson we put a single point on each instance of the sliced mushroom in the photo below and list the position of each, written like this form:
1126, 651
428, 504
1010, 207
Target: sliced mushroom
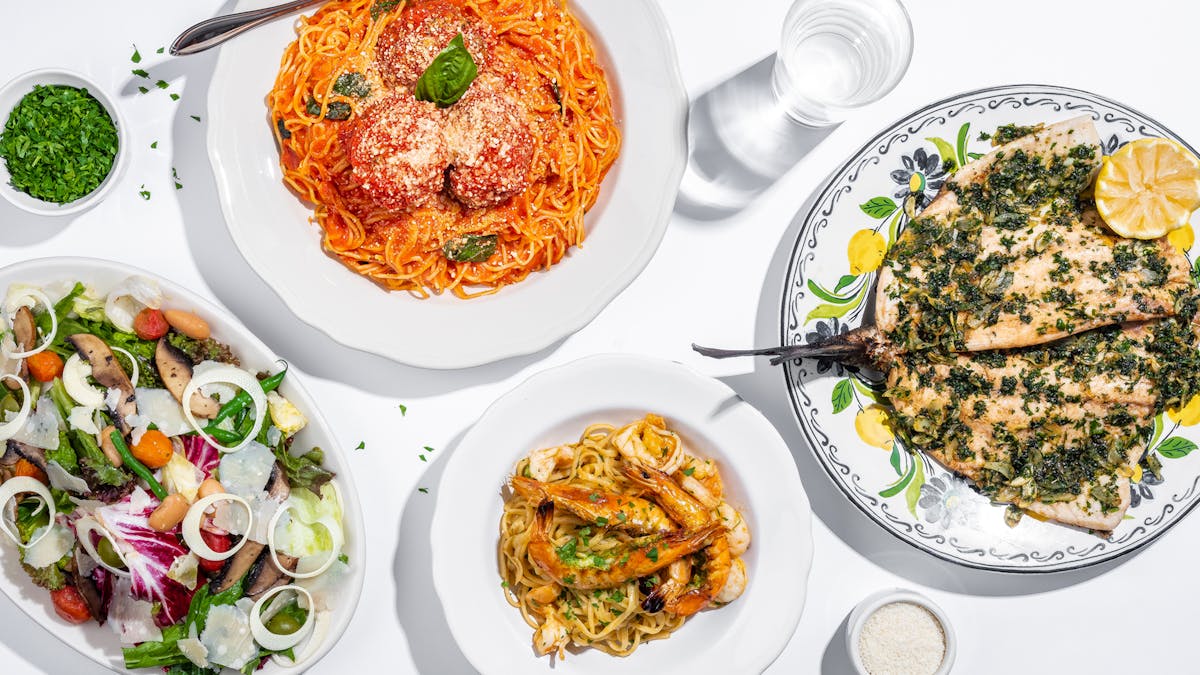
106, 370
17, 450
92, 597
264, 575
236, 567
25, 337
277, 485
175, 369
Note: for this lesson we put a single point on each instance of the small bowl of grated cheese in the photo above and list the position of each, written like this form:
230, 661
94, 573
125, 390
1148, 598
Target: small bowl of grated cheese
899, 632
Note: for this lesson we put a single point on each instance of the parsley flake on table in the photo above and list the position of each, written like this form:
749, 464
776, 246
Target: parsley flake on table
143, 90
154, 145
137, 57
162, 84
423, 490
428, 449
144, 192
196, 117
361, 445
403, 410
423, 458
141, 73
160, 50
174, 96
175, 175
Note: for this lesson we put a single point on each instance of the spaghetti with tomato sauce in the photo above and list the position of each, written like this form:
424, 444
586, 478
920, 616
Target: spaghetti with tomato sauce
469, 188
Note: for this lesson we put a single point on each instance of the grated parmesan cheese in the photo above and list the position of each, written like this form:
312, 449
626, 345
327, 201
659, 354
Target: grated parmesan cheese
902, 638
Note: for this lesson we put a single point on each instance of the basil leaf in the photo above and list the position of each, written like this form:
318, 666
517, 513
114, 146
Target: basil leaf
448, 76
471, 248
284, 133
338, 110
382, 7
352, 84
312, 107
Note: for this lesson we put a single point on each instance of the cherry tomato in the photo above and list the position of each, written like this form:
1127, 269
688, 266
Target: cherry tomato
69, 605
153, 449
219, 543
150, 324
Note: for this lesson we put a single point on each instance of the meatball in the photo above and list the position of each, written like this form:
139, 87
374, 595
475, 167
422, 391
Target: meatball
491, 147
398, 151
411, 41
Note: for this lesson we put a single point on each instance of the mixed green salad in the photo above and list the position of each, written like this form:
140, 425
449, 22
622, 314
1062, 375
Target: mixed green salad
151, 483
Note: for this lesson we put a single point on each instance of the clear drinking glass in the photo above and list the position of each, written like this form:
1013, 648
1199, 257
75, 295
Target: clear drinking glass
836, 56
839, 55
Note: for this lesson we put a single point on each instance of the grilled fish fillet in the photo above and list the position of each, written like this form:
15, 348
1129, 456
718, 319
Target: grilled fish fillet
1008, 256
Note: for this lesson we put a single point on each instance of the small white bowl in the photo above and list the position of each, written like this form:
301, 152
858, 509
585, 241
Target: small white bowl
12, 93
873, 602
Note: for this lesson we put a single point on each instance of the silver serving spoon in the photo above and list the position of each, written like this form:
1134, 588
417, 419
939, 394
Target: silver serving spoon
214, 31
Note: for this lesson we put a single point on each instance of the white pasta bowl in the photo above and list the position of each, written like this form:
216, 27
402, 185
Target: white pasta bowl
554, 407
272, 229
99, 643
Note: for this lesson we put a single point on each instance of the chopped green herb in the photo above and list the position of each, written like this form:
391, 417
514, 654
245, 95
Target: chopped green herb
160, 50
423, 490
352, 84
594, 497
652, 554
361, 445
470, 248
196, 117
428, 449
154, 145
174, 96
689, 471
137, 57
422, 458
175, 175
143, 90
141, 73
144, 192
403, 410
161, 84
382, 7
569, 579
602, 521
344, 559
503, 584
59, 143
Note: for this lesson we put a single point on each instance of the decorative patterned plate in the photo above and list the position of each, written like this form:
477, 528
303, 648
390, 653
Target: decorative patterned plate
829, 289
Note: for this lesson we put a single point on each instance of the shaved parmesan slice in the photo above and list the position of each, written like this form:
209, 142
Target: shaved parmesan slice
61, 479
246, 473
161, 409
231, 375
184, 570
227, 636
128, 298
76, 371
132, 620
13, 425
192, 648
234, 519
83, 419
41, 427
53, 542
327, 586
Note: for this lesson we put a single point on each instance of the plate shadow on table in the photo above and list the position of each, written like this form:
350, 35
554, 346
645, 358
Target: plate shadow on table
249, 298
740, 141
19, 229
765, 389
420, 611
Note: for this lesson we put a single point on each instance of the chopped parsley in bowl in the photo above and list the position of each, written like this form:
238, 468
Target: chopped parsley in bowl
60, 142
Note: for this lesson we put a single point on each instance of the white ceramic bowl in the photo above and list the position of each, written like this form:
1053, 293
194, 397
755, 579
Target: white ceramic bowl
867, 607
554, 407
13, 92
98, 642
271, 226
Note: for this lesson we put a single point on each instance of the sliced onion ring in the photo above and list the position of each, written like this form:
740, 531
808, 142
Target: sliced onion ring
227, 374
40, 297
11, 427
15, 486
333, 527
76, 383
134, 377
275, 641
191, 526
84, 527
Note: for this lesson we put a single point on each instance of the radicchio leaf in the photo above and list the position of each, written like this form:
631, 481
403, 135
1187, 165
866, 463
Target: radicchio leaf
148, 553
201, 454
104, 585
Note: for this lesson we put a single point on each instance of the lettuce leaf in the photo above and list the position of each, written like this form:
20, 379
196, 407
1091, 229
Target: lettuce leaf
304, 471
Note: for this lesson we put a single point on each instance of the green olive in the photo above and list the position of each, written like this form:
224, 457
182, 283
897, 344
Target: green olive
108, 555
283, 623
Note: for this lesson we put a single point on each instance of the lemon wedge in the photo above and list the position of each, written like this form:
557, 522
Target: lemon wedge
1148, 188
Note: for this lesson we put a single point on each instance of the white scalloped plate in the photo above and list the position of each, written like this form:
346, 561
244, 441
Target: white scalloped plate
271, 226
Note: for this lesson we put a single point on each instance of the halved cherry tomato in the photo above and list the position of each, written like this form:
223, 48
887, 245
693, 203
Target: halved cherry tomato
69, 604
150, 324
219, 543
45, 366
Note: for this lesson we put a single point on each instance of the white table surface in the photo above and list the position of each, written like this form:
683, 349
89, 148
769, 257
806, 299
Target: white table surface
1123, 617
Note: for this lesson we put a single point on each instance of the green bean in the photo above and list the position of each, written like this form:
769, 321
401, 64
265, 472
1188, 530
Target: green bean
135, 466
223, 435
239, 402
